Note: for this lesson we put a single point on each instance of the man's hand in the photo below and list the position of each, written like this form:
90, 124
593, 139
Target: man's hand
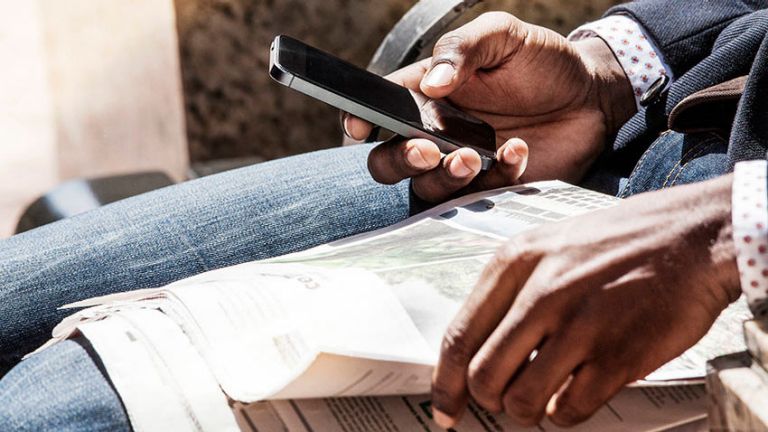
557, 100
603, 299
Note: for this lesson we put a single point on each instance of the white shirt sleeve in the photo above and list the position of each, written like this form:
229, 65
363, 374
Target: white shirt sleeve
635, 50
750, 232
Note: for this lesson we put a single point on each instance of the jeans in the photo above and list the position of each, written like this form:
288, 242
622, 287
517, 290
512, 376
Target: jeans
62, 389
253, 213
248, 214
675, 159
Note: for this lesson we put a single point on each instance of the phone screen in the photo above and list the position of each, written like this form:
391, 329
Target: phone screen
436, 117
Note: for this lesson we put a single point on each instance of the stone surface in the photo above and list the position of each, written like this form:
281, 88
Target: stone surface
738, 391
233, 108
86, 89
114, 79
27, 153
756, 337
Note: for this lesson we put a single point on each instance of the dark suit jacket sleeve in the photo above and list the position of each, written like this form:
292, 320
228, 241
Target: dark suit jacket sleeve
685, 30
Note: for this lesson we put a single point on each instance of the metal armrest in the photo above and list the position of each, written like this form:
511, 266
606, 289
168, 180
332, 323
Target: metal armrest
78, 196
419, 28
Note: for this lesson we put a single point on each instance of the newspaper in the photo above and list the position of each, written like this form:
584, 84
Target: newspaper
177, 380
646, 409
362, 319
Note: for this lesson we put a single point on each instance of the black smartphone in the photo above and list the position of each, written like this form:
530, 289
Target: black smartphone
381, 102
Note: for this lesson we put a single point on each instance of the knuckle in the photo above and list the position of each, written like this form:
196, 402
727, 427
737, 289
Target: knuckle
519, 249
521, 406
560, 281
479, 377
450, 46
456, 349
498, 17
441, 396
483, 388
511, 251
502, 24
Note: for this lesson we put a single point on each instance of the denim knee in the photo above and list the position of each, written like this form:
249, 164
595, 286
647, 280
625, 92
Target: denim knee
62, 389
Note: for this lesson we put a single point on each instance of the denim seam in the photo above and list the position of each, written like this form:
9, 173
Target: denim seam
639, 163
709, 144
679, 163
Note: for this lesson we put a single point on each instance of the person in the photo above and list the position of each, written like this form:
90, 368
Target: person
656, 94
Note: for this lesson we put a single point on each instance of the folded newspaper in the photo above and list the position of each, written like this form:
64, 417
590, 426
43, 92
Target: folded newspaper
344, 336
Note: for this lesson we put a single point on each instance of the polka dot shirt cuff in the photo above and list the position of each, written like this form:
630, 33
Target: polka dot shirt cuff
750, 232
634, 49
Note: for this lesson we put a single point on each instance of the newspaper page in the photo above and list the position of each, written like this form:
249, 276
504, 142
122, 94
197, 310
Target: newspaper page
364, 316
273, 322
151, 366
432, 261
634, 409
283, 331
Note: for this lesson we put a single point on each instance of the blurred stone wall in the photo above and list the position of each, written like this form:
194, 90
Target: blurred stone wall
232, 107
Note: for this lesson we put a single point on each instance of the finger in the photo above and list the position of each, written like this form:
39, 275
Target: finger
482, 311
511, 162
355, 127
395, 160
457, 170
410, 76
483, 43
592, 386
497, 361
525, 399
508, 349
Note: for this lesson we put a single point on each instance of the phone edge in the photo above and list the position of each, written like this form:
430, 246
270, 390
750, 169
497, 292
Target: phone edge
279, 74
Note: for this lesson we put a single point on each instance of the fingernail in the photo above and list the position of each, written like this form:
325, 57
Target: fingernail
440, 76
416, 158
459, 168
511, 157
442, 419
345, 124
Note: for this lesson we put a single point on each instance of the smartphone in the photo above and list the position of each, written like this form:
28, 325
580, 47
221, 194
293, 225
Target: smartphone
377, 100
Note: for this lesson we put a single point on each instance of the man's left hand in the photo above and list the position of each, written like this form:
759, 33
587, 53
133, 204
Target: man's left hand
567, 314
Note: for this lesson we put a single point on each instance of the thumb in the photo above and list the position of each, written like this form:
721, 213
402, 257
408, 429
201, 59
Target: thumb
483, 43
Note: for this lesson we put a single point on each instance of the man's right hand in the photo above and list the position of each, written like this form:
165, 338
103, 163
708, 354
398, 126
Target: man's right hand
552, 102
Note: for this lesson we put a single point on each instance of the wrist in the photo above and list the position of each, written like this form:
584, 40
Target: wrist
714, 200
611, 88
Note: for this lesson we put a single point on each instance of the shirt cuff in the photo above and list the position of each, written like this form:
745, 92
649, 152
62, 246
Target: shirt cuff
641, 60
750, 232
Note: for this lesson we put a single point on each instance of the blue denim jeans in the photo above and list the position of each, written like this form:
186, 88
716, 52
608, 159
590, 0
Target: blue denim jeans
252, 213
671, 159
676, 159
